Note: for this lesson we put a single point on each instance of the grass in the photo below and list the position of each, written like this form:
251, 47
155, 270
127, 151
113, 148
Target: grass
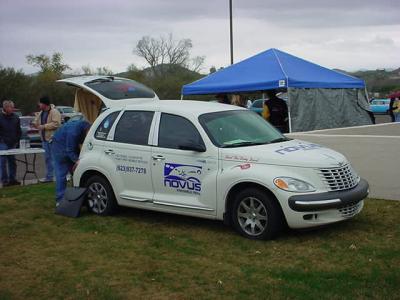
146, 255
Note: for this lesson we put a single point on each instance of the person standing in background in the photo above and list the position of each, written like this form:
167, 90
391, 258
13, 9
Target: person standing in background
390, 110
47, 121
275, 111
10, 133
223, 98
238, 100
396, 110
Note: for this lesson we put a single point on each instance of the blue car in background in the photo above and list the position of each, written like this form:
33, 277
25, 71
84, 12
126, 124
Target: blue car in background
257, 106
380, 106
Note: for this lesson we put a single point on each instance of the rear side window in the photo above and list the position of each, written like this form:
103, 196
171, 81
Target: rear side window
176, 131
105, 126
134, 127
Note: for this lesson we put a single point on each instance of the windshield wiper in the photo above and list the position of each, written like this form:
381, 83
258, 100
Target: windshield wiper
278, 140
241, 144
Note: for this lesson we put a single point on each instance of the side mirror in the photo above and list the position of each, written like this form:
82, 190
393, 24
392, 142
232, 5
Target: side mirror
192, 147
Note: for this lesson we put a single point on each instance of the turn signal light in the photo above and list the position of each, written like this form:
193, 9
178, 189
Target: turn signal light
281, 184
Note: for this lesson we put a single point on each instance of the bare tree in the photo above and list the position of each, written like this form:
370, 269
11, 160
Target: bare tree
167, 51
197, 63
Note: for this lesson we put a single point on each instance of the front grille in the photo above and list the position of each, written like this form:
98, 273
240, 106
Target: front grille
341, 178
350, 210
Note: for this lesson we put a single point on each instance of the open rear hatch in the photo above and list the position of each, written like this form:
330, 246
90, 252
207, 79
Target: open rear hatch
95, 93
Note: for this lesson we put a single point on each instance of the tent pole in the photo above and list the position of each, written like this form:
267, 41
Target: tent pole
181, 96
290, 119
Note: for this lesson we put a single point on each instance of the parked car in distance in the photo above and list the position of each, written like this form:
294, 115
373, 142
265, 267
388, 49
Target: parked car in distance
257, 106
380, 106
29, 131
18, 112
66, 112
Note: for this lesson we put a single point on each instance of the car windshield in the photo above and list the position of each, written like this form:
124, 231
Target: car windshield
239, 128
118, 89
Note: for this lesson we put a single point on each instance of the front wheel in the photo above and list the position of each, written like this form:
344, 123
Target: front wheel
100, 196
255, 215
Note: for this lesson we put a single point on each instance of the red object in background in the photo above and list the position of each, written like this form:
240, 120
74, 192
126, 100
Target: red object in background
394, 95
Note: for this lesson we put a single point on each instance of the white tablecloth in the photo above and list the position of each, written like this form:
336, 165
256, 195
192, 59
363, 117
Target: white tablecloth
21, 151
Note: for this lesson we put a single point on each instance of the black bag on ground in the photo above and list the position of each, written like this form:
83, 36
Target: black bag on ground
70, 205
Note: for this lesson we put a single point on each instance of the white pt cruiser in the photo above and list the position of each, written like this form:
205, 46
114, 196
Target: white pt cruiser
214, 161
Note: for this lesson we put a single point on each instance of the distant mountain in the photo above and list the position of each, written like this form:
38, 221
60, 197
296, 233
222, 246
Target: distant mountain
381, 81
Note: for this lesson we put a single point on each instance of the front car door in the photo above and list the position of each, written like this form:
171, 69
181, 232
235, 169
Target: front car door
184, 180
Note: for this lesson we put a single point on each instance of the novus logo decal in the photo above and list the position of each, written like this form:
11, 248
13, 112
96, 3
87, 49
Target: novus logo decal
299, 147
183, 178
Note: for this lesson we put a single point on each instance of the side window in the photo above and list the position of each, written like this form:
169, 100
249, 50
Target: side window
176, 131
105, 126
134, 127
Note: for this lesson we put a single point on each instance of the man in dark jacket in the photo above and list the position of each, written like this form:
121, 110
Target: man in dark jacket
278, 111
65, 150
10, 133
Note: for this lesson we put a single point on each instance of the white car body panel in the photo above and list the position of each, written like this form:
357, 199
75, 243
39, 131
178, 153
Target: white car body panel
217, 170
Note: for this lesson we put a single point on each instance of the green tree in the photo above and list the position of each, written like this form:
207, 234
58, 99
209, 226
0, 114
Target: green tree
16, 86
51, 69
46, 63
88, 70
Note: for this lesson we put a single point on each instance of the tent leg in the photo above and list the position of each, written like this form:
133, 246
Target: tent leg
290, 119
181, 96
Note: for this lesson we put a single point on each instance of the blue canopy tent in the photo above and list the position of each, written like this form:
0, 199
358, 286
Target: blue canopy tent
275, 69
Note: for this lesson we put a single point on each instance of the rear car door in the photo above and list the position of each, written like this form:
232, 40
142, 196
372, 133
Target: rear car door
127, 155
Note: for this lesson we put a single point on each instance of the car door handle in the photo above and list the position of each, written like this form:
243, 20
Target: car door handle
158, 157
109, 152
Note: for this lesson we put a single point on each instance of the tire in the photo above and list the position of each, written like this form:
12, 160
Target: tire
255, 215
100, 196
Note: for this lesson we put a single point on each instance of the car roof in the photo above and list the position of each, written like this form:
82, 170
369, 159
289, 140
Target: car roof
183, 107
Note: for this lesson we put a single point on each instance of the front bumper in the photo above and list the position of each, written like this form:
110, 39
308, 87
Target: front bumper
329, 200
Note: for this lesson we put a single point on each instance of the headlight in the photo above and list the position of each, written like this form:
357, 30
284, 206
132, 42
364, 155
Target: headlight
293, 185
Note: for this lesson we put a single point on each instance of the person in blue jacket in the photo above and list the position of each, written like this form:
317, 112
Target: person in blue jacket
65, 148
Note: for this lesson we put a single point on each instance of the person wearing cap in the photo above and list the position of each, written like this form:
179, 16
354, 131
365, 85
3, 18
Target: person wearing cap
10, 133
47, 121
65, 146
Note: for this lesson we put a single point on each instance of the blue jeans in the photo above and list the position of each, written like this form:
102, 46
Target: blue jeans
49, 160
7, 161
397, 117
63, 165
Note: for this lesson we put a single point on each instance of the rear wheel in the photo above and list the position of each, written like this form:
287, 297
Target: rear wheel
256, 215
100, 196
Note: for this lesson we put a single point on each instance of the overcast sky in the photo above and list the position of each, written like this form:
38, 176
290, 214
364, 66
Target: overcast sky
345, 34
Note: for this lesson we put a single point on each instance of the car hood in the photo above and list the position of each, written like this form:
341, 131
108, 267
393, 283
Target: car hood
295, 153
